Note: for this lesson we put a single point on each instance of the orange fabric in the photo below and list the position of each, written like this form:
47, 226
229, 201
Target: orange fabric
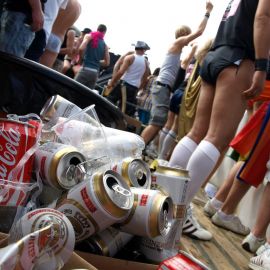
245, 139
254, 169
265, 94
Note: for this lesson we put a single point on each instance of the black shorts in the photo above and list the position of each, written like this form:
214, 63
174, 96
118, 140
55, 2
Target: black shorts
176, 99
215, 61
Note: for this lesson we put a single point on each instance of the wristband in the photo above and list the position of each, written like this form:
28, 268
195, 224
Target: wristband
261, 64
207, 15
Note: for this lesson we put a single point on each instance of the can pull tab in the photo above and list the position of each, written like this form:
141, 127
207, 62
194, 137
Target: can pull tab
121, 195
139, 174
75, 172
164, 221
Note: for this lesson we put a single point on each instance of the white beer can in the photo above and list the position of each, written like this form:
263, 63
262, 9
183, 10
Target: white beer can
151, 214
97, 203
135, 171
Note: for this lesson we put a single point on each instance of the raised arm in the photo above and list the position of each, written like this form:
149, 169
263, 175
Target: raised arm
262, 48
184, 40
37, 15
186, 61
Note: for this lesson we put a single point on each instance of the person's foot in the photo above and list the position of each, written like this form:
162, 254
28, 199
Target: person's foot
209, 209
234, 224
260, 262
194, 230
251, 243
263, 248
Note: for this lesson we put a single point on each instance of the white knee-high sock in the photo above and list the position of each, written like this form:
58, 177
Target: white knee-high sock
162, 134
182, 152
200, 165
167, 145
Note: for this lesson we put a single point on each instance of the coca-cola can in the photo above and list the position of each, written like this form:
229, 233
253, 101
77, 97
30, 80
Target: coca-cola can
16, 139
57, 165
57, 240
135, 171
182, 261
151, 214
105, 243
57, 106
96, 203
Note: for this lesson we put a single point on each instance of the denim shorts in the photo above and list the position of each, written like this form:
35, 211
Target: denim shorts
160, 105
176, 100
15, 35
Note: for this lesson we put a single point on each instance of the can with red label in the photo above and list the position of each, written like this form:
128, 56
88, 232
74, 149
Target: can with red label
51, 247
151, 214
57, 165
182, 261
56, 107
17, 142
97, 203
135, 171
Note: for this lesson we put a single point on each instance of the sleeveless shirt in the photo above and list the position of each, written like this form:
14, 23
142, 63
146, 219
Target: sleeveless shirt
169, 69
134, 73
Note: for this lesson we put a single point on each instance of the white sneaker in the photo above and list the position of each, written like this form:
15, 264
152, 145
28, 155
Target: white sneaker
251, 243
209, 209
233, 225
263, 248
260, 262
193, 229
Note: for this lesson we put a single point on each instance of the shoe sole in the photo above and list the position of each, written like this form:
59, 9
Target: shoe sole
255, 267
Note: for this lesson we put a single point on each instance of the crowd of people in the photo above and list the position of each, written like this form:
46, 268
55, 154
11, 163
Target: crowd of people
191, 106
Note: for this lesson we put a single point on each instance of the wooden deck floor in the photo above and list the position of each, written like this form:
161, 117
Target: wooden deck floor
223, 252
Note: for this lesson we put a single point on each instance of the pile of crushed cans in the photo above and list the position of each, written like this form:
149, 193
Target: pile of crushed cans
68, 180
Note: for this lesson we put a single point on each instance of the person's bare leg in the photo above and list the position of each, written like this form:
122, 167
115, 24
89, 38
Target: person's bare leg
65, 19
224, 121
224, 190
237, 192
149, 133
263, 216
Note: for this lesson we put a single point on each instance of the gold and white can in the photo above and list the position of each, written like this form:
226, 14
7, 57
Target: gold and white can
50, 243
105, 243
57, 165
151, 214
56, 107
135, 171
174, 182
97, 203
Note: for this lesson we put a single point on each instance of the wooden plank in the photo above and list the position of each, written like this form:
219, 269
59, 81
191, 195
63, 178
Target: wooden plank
223, 252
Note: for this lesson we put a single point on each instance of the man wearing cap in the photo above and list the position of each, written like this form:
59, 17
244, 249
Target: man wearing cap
133, 70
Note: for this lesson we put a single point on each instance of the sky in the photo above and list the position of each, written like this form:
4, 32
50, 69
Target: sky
152, 21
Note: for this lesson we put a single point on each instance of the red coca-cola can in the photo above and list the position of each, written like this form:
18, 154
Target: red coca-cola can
17, 142
182, 261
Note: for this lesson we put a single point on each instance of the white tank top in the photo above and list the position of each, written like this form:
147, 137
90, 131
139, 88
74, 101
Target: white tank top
135, 71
